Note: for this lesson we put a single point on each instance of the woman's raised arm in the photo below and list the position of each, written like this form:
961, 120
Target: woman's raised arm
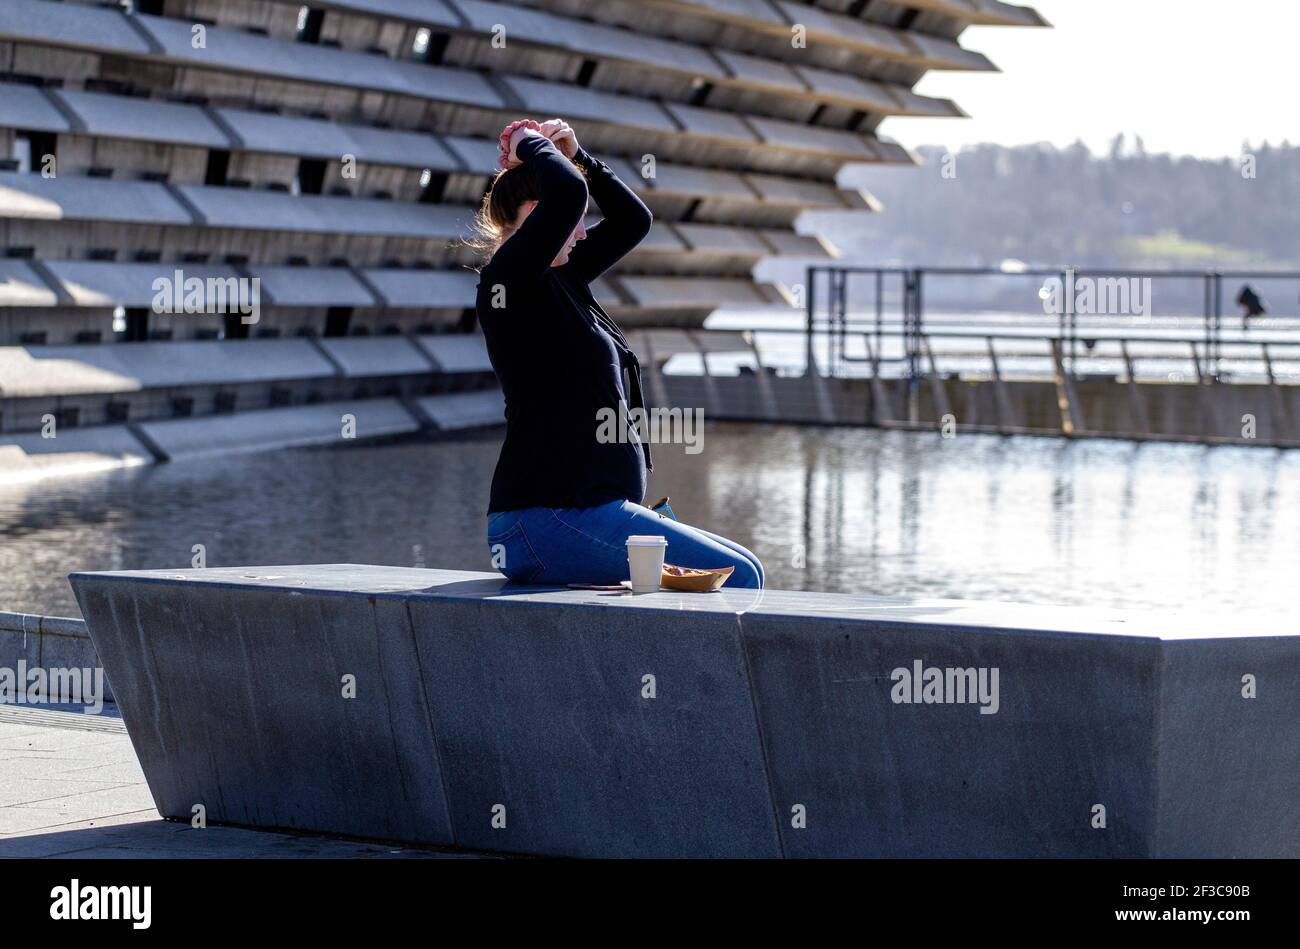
625, 223
561, 204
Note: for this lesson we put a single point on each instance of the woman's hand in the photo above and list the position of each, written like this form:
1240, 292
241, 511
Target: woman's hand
559, 132
511, 136
562, 136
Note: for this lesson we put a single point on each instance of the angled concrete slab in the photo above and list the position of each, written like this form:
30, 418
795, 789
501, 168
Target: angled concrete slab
1228, 766
237, 700
1072, 729
570, 729
741, 723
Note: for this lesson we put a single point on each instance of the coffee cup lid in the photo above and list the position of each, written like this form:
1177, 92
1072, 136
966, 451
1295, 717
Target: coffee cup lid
647, 540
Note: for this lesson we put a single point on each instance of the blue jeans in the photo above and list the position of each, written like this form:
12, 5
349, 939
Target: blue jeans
588, 545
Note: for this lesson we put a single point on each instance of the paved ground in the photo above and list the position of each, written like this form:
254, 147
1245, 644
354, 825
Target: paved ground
70, 786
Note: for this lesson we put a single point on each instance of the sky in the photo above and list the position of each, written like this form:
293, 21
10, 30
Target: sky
1192, 77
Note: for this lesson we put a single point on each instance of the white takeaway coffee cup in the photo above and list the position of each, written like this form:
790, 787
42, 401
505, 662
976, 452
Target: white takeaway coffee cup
645, 561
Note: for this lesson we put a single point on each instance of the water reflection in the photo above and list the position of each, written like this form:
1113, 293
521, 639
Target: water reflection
978, 517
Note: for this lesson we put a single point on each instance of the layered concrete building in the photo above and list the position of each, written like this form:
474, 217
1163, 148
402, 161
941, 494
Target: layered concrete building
159, 158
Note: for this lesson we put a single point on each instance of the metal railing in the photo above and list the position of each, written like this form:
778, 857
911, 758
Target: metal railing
846, 302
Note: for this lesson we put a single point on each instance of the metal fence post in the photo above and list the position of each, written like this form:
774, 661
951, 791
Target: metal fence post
1218, 320
880, 311
810, 367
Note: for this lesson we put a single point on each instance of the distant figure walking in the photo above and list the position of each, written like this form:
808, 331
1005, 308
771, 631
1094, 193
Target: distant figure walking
564, 498
1251, 306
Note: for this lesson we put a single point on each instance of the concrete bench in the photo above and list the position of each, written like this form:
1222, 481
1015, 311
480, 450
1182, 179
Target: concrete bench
744, 723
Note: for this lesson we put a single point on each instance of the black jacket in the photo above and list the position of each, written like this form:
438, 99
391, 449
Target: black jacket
559, 356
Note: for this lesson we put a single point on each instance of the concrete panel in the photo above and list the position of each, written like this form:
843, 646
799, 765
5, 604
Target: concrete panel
105, 284
296, 426
1141, 713
430, 12
89, 199
27, 456
914, 104
151, 120
459, 352
946, 54
20, 640
1175, 412
848, 30
813, 138
318, 214
603, 289
29, 371
628, 172
685, 179
888, 151
73, 25
879, 779
719, 238
130, 367
313, 286
462, 410
541, 710
237, 51
787, 243
661, 238
148, 120
710, 122
234, 700
638, 47
864, 94
26, 107
425, 288
401, 148
50, 643
552, 97
691, 291
21, 286
1222, 791
809, 400
667, 342
588, 39
478, 154
318, 138
758, 10
269, 132
796, 191
63, 650
762, 72
376, 356
534, 26
720, 341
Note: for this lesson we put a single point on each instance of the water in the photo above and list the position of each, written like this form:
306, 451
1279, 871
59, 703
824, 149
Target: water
1101, 523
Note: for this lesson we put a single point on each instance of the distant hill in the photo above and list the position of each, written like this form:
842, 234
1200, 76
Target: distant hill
1045, 205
